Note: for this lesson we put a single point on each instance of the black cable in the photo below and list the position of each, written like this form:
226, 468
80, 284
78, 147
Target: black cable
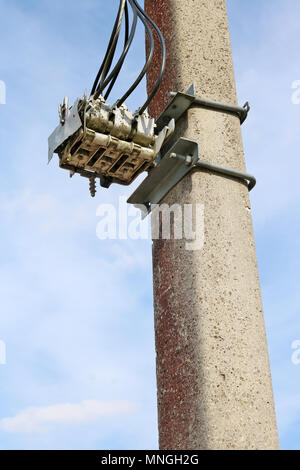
123, 56
149, 57
114, 75
110, 57
105, 58
163, 61
104, 78
113, 38
115, 72
111, 54
126, 24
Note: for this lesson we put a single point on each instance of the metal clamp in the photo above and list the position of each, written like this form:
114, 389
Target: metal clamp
180, 160
181, 102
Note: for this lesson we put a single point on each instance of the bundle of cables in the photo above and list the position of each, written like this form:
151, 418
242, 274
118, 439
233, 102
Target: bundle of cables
106, 78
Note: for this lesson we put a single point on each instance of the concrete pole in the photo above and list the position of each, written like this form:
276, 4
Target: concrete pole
213, 373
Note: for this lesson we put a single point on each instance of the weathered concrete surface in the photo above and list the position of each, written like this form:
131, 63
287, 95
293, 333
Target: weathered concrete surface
213, 374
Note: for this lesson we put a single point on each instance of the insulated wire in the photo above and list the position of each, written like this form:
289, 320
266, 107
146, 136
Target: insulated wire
163, 60
148, 60
104, 60
111, 54
113, 37
115, 72
119, 65
104, 78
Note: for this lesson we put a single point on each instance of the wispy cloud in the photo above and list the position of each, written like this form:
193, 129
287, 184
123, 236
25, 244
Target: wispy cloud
35, 419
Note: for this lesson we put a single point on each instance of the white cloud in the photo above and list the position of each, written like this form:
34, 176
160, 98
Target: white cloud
34, 419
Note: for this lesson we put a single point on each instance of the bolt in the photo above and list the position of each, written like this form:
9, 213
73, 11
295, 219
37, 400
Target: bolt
93, 186
187, 159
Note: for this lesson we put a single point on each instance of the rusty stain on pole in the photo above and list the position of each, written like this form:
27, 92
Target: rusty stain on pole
213, 373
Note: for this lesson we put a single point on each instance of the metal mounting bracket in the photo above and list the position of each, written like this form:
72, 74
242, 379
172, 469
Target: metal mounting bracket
180, 160
181, 102
183, 157
172, 168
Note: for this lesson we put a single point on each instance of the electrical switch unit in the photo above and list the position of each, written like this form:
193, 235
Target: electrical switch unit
111, 144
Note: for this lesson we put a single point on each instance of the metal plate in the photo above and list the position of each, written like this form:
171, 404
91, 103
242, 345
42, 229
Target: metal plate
166, 174
176, 108
63, 132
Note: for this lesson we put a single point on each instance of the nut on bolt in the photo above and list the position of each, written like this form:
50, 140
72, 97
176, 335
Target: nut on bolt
188, 159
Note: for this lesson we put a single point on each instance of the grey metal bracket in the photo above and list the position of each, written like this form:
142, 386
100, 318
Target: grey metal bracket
184, 157
180, 160
181, 102
174, 165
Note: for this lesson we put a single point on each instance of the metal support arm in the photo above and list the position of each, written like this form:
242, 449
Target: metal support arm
180, 160
241, 112
228, 172
201, 164
181, 102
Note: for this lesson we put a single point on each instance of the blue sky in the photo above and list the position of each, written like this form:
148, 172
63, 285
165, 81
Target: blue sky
76, 312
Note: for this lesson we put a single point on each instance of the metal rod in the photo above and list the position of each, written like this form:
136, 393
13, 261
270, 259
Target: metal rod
241, 112
228, 171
